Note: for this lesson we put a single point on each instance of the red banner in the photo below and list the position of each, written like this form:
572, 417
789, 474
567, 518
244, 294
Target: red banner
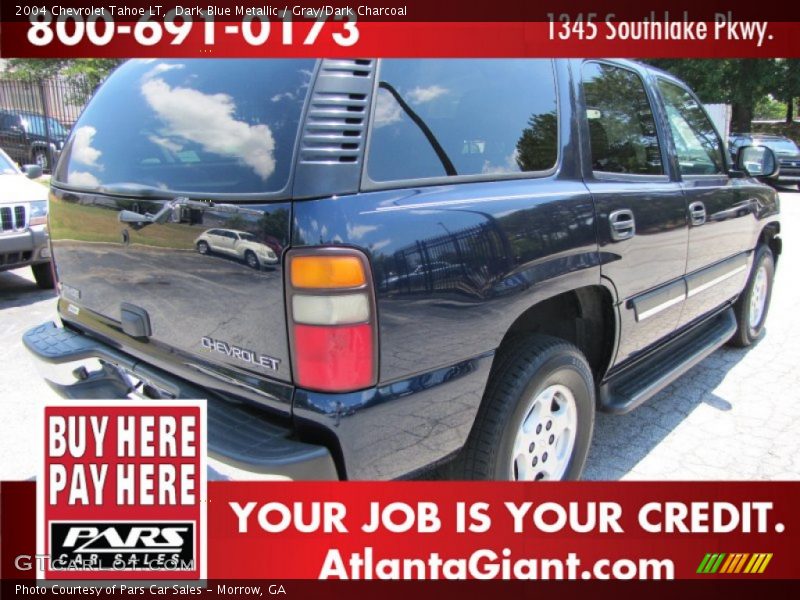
437, 530
299, 37
122, 491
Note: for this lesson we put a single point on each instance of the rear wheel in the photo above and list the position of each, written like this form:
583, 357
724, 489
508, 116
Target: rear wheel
537, 417
753, 304
43, 274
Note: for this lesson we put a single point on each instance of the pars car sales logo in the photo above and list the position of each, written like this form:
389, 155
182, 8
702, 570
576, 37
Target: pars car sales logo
122, 492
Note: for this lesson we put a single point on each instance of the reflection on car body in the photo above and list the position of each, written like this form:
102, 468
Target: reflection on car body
239, 244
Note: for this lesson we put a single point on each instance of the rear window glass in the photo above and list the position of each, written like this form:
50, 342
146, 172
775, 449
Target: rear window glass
194, 126
449, 117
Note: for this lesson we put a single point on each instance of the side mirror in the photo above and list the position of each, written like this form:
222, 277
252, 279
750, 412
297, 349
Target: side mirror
32, 171
757, 161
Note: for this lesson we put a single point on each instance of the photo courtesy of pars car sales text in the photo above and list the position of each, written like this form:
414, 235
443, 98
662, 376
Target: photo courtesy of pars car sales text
416, 291
152, 589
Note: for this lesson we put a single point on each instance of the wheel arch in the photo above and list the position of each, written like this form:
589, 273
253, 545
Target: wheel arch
584, 316
770, 236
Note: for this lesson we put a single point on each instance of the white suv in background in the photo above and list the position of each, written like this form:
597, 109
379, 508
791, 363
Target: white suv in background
23, 221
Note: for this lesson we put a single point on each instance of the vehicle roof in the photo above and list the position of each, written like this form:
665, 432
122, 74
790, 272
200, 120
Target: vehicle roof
226, 229
646, 68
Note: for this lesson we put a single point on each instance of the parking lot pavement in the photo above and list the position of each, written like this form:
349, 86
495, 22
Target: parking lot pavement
22, 305
734, 416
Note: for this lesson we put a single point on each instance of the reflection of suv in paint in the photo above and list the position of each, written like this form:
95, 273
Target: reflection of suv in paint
23, 135
23, 221
593, 259
239, 244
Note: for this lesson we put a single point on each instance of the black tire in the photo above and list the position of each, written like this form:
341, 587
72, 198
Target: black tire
525, 370
252, 260
202, 247
747, 333
43, 274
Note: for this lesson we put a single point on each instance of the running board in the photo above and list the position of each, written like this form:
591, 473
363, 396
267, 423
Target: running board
631, 387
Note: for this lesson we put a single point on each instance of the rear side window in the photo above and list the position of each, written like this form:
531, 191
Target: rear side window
697, 144
439, 118
203, 126
622, 131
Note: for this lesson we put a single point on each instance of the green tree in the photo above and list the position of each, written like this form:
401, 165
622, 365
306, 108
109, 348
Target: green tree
274, 224
92, 70
770, 108
788, 89
536, 147
236, 222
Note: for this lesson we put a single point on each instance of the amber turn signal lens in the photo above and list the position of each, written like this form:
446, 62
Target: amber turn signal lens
327, 272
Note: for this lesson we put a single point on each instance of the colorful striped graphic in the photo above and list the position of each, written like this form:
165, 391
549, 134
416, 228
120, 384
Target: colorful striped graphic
738, 562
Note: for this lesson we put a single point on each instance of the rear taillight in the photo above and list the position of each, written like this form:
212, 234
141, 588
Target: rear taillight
333, 328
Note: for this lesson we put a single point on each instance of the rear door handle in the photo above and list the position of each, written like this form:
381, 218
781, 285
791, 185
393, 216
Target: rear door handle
697, 213
622, 224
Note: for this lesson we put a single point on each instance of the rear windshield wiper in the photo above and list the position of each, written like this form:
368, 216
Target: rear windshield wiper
139, 220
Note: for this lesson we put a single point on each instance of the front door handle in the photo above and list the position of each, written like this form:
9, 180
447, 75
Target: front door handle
697, 213
622, 224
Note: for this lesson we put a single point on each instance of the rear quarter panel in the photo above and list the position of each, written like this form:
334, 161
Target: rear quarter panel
489, 251
454, 266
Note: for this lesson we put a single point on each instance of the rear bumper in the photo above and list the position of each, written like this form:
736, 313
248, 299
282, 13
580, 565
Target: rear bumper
242, 443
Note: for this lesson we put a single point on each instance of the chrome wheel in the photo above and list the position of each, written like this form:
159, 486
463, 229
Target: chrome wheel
546, 438
758, 297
